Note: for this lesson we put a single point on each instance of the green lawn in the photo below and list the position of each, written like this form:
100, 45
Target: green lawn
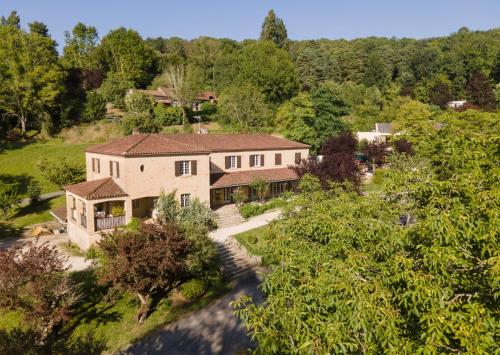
255, 240
19, 160
378, 182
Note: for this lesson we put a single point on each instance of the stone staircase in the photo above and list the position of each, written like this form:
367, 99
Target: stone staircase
228, 215
236, 261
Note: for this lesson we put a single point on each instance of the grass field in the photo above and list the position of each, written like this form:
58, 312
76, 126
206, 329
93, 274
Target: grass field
19, 160
254, 240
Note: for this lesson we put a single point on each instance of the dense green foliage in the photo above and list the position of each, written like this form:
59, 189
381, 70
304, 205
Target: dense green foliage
350, 84
61, 172
413, 269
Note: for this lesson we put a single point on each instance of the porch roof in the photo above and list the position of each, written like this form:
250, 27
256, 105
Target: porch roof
240, 178
96, 189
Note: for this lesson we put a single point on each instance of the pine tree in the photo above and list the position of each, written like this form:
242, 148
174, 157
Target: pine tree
273, 29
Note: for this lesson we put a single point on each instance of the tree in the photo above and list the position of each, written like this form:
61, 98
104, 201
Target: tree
30, 76
9, 195
412, 269
375, 152
329, 106
141, 122
33, 279
314, 66
168, 116
376, 73
269, 69
138, 102
95, 106
416, 117
479, 91
39, 28
260, 186
145, 261
125, 53
403, 146
244, 107
12, 20
178, 81
274, 30
80, 50
337, 164
440, 92
295, 119
166, 207
114, 89
60, 172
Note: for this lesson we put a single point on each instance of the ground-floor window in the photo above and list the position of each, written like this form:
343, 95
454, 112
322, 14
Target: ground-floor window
228, 194
185, 200
277, 188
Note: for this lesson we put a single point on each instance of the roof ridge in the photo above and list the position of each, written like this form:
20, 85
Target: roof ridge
135, 144
184, 144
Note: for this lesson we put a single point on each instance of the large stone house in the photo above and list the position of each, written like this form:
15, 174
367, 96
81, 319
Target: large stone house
125, 176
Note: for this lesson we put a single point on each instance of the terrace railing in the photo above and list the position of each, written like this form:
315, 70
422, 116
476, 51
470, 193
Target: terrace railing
109, 222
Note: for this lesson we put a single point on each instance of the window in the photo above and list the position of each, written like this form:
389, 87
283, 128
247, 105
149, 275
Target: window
135, 204
277, 159
96, 165
185, 200
232, 162
114, 169
141, 168
257, 160
298, 158
185, 167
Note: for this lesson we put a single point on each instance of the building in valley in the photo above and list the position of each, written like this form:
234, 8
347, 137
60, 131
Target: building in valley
125, 176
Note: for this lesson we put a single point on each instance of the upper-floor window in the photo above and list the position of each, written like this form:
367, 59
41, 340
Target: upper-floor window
232, 162
185, 200
185, 167
256, 160
96, 165
114, 169
277, 159
298, 158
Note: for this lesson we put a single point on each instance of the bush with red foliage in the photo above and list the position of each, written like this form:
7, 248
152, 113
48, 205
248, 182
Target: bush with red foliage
338, 163
144, 261
403, 146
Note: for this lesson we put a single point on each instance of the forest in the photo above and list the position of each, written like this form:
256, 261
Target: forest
305, 90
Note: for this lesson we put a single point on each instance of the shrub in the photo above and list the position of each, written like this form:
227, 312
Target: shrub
193, 289
167, 207
34, 191
61, 172
253, 209
239, 197
138, 102
198, 213
9, 195
167, 116
260, 185
114, 88
139, 122
117, 211
95, 106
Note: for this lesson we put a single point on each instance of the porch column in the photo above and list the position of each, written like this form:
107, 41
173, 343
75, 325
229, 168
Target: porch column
128, 210
90, 217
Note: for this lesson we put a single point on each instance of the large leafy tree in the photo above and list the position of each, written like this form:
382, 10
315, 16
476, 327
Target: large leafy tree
125, 52
270, 69
295, 118
80, 50
245, 108
414, 270
480, 92
30, 76
274, 30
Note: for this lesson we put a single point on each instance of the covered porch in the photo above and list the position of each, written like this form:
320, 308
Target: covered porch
223, 186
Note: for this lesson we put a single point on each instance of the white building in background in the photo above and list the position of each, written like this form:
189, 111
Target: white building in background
456, 104
381, 132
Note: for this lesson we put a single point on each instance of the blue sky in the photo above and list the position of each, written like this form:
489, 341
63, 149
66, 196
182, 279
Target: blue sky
238, 19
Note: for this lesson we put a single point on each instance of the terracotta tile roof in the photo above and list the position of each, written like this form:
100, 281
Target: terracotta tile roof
145, 144
246, 177
237, 142
158, 144
206, 96
96, 189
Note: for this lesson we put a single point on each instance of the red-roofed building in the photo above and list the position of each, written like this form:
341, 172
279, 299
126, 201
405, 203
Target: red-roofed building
125, 176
